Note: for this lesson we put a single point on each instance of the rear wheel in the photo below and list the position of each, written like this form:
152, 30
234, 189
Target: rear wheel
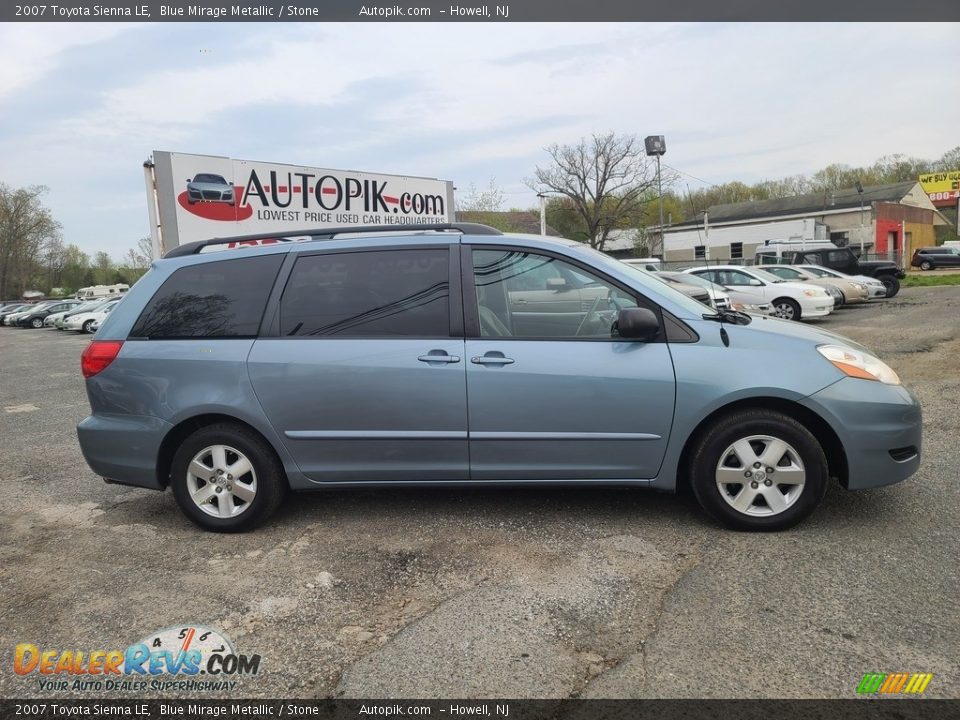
758, 470
926, 265
36, 323
891, 284
786, 308
226, 478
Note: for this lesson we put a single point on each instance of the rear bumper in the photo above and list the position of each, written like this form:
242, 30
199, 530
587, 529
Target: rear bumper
123, 448
879, 426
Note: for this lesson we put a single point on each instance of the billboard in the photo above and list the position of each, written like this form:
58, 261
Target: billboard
197, 197
943, 188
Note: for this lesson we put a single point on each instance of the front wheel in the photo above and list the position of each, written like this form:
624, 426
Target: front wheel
758, 470
891, 284
786, 308
226, 478
36, 323
88, 326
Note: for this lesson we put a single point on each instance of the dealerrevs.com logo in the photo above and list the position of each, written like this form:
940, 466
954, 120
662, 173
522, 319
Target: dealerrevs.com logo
308, 197
190, 658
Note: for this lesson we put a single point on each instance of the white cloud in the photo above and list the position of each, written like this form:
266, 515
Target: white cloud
742, 101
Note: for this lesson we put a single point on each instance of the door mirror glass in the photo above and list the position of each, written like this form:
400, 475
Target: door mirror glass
637, 323
556, 283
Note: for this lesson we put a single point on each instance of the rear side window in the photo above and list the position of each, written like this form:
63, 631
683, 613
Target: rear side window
376, 293
222, 299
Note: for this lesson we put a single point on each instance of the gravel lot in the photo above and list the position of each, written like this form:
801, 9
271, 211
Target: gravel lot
496, 593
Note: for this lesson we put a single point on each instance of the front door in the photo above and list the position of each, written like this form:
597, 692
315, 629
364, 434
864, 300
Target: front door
364, 381
553, 394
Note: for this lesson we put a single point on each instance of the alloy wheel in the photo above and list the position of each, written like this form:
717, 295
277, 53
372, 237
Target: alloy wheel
221, 481
760, 475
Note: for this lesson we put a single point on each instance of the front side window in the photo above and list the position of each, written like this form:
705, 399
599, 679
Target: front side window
224, 299
375, 293
527, 295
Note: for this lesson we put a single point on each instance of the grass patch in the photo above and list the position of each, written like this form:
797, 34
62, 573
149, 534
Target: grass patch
930, 280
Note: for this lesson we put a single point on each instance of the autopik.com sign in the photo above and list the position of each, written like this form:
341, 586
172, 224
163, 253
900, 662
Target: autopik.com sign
203, 196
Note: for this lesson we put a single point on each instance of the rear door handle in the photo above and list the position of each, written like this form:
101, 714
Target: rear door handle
439, 357
492, 360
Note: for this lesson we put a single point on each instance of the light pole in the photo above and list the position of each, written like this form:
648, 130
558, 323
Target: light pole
656, 146
860, 192
543, 213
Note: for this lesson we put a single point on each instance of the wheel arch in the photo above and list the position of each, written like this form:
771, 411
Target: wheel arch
182, 430
818, 427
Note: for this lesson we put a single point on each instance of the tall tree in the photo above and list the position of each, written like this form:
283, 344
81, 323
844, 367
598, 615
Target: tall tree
605, 178
26, 225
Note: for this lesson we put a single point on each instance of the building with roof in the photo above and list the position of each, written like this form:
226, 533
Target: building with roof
888, 220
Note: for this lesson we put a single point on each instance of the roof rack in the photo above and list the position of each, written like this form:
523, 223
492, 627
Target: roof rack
192, 248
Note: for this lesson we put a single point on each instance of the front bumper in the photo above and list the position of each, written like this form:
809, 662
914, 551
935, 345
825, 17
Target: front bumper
123, 448
816, 306
879, 426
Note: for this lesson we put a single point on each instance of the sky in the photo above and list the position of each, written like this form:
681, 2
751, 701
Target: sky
83, 105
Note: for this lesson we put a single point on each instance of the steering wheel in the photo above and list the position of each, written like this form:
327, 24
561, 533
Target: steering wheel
589, 316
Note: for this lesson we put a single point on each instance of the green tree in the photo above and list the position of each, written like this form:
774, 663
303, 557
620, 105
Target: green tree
26, 227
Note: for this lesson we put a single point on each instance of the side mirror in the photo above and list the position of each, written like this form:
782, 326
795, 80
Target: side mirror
556, 283
637, 324
754, 282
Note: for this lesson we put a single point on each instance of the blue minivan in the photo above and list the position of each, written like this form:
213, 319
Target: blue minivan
456, 355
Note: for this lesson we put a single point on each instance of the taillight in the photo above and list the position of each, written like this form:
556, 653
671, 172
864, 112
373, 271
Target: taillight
98, 355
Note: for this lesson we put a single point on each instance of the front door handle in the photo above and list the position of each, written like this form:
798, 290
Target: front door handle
492, 358
439, 356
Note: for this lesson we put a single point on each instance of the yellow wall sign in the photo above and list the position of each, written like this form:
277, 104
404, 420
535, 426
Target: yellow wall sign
943, 188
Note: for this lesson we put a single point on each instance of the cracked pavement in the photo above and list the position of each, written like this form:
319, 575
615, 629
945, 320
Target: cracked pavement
540, 592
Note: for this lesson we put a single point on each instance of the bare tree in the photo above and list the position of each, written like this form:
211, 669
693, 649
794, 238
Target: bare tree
487, 200
140, 257
607, 178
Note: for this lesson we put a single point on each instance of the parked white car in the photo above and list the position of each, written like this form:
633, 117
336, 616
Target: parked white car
51, 319
84, 322
875, 288
790, 300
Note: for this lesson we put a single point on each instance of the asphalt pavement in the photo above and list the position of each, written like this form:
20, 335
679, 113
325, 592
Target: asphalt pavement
543, 592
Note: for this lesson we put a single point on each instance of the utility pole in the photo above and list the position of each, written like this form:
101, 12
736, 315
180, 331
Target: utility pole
656, 146
860, 191
543, 213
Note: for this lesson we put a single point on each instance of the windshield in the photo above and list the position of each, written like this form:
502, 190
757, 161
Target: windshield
702, 282
647, 281
207, 178
766, 276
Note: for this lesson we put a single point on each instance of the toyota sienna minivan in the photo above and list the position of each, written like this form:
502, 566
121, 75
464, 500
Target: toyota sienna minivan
456, 355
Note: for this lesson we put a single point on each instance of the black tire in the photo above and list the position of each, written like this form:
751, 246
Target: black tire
926, 265
891, 284
787, 308
87, 326
709, 449
271, 480
36, 323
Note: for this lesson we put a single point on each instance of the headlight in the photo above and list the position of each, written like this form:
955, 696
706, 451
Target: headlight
814, 293
859, 364
858, 286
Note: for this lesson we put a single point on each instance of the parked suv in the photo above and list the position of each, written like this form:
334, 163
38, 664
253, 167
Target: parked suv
931, 258
456, 355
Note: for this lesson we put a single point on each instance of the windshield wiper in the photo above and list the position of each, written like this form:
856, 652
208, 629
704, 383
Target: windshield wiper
734, 317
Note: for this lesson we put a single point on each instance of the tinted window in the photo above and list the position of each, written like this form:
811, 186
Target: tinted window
215, 299
377, 293
522, 294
